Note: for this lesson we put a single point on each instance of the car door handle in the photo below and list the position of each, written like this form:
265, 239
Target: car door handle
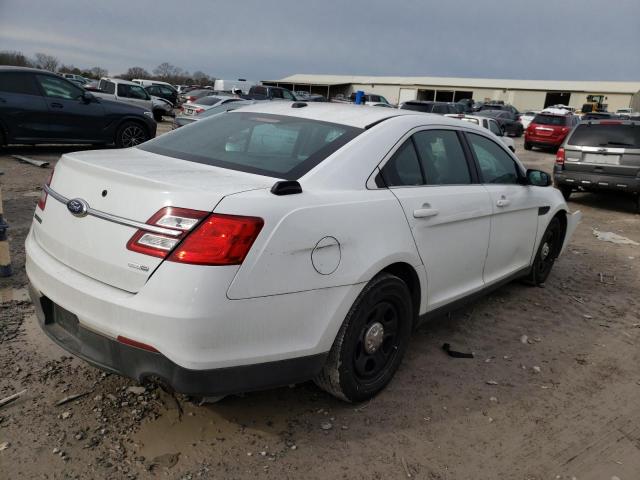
503, 202
57, 105
425, 212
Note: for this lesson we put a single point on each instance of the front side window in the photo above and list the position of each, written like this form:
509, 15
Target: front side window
495, 164
17, 82
403, 169
132, 91
442, 158
108, 87
287, 95
493, 126
273, 145
276, 93
55, 87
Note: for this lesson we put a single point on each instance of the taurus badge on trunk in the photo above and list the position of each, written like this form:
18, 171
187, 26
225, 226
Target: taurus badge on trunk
77, 207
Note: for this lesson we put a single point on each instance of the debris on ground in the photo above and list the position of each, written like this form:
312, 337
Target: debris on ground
11, 398
613, 238
71, 398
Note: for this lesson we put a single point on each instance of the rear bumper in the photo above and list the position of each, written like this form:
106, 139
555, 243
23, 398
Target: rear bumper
140, 365
596, 181
548, 142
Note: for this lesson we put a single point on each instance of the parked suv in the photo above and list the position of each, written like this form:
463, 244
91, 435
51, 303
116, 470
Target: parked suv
37, 106
264, 92
549, 128
441, 108
600, 155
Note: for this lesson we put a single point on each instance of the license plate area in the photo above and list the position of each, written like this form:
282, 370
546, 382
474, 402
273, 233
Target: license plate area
599, 159
65, 320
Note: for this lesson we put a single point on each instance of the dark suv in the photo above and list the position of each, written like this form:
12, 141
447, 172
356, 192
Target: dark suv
163, 91
600, 155
37, 106
441, 108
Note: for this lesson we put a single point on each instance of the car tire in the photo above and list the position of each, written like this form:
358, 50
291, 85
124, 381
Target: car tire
637, 203
566, 191
548, 251
157, 116
520, 131
131, 134
527, 146
371, 342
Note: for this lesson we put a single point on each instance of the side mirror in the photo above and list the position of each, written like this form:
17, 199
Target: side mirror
88, 97
538, 178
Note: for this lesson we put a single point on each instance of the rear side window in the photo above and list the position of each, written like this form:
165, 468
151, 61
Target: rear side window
273, 145
16, 82
440, 108
403, 169
132, 91
556, 120
442, 157
495, 164
600, 135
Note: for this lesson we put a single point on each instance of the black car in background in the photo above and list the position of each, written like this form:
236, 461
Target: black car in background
37, 106
441, 108
498, 106
163, 91
509, 122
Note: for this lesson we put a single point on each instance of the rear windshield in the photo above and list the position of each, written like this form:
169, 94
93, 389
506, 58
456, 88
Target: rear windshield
272, 145
550, 120
418, 107
606, 136
208, 100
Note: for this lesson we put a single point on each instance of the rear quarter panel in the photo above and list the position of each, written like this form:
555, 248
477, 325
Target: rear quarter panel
369, 226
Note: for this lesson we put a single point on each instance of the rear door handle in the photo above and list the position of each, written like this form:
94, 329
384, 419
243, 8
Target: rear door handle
503, 202
57, 105
425, 212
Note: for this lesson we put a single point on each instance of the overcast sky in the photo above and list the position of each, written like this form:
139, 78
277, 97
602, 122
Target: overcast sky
260, 40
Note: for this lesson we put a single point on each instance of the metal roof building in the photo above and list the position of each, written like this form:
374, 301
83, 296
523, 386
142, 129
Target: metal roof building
523, 94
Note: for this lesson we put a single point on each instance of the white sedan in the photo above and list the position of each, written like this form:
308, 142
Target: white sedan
283, 242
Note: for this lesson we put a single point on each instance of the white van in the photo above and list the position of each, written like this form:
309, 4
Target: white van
229, 85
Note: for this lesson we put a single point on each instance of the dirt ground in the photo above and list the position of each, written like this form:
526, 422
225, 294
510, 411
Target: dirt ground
552, 392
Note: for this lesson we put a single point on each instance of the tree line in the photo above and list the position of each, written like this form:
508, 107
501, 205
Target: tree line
164, 72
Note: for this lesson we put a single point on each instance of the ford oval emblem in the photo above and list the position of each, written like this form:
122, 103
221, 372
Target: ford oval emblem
77, 207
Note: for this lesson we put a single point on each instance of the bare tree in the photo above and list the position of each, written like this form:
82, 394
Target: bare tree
135, 72
17, 59
166, 70
46, 62
201, 78
97, 72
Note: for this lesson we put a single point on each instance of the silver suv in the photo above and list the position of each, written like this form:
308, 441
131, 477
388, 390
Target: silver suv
600, 155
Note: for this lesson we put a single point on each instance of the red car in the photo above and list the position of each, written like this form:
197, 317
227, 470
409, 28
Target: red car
549, 129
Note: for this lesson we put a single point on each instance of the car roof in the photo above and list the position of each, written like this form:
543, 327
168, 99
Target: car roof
120, 80
359, 116
11, 68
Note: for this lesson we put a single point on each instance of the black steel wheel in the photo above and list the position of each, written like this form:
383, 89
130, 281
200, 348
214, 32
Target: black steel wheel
527, 145
548, 251
131, 134
371, 342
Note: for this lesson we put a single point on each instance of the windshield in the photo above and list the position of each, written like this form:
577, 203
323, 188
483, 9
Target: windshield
603, 135
550, 120
272, 145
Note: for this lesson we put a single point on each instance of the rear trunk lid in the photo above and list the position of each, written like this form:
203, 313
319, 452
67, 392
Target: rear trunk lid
130, 184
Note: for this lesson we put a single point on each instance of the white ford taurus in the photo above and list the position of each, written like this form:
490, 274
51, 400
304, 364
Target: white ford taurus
283, 242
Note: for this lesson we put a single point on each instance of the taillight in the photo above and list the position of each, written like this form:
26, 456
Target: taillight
560, 156
219, 240
199, 110
565, 129
42, 201
178, 220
